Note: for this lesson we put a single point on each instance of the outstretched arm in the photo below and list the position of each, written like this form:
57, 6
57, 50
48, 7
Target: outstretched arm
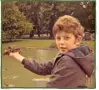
37, 67
17, 56
32, 65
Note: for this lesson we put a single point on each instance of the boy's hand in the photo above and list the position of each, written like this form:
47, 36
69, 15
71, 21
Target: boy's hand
14, 52
11, 50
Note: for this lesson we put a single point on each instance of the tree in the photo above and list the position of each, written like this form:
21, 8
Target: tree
44, 14
32, 12
14, 22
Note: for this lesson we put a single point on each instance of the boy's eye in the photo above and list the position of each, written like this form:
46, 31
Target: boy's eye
66, 38
58, 38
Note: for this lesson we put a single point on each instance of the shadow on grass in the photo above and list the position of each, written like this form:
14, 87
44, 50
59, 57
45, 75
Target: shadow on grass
21, 39
8, 41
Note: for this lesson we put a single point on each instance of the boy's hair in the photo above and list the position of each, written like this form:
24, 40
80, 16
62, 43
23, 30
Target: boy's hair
69, 24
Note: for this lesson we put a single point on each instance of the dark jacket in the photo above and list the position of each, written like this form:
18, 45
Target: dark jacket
67, 70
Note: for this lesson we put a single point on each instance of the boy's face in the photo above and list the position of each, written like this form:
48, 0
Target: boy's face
66, 41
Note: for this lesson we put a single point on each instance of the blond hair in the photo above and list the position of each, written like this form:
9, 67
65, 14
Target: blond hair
68, 24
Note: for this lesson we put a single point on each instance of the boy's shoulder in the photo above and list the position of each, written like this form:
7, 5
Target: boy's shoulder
81, 52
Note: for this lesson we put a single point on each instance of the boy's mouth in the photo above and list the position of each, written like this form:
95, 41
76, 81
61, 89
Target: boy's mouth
63, 48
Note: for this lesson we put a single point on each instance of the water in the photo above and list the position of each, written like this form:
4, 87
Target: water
15, 75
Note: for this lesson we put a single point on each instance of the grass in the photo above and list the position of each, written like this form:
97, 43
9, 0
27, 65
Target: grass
91, 44
42, 43
30, 43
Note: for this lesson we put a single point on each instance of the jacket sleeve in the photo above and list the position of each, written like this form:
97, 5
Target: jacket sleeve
38, 68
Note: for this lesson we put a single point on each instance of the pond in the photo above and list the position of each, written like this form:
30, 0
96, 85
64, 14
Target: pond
15, 75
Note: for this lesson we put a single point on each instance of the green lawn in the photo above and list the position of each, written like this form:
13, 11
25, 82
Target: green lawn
31, 43
41, 43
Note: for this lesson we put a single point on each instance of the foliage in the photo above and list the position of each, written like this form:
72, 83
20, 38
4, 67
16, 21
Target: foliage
44, 14
14, 21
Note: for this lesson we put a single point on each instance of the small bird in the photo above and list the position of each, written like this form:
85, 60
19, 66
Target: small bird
11, 49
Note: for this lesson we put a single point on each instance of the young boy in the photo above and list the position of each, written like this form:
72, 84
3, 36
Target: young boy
72, 64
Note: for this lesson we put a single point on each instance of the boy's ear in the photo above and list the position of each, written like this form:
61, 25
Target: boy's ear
78, 40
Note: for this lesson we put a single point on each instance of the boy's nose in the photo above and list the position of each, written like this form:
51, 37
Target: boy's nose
61, 41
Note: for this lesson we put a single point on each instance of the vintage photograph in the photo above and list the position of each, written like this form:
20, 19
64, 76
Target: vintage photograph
48, 44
